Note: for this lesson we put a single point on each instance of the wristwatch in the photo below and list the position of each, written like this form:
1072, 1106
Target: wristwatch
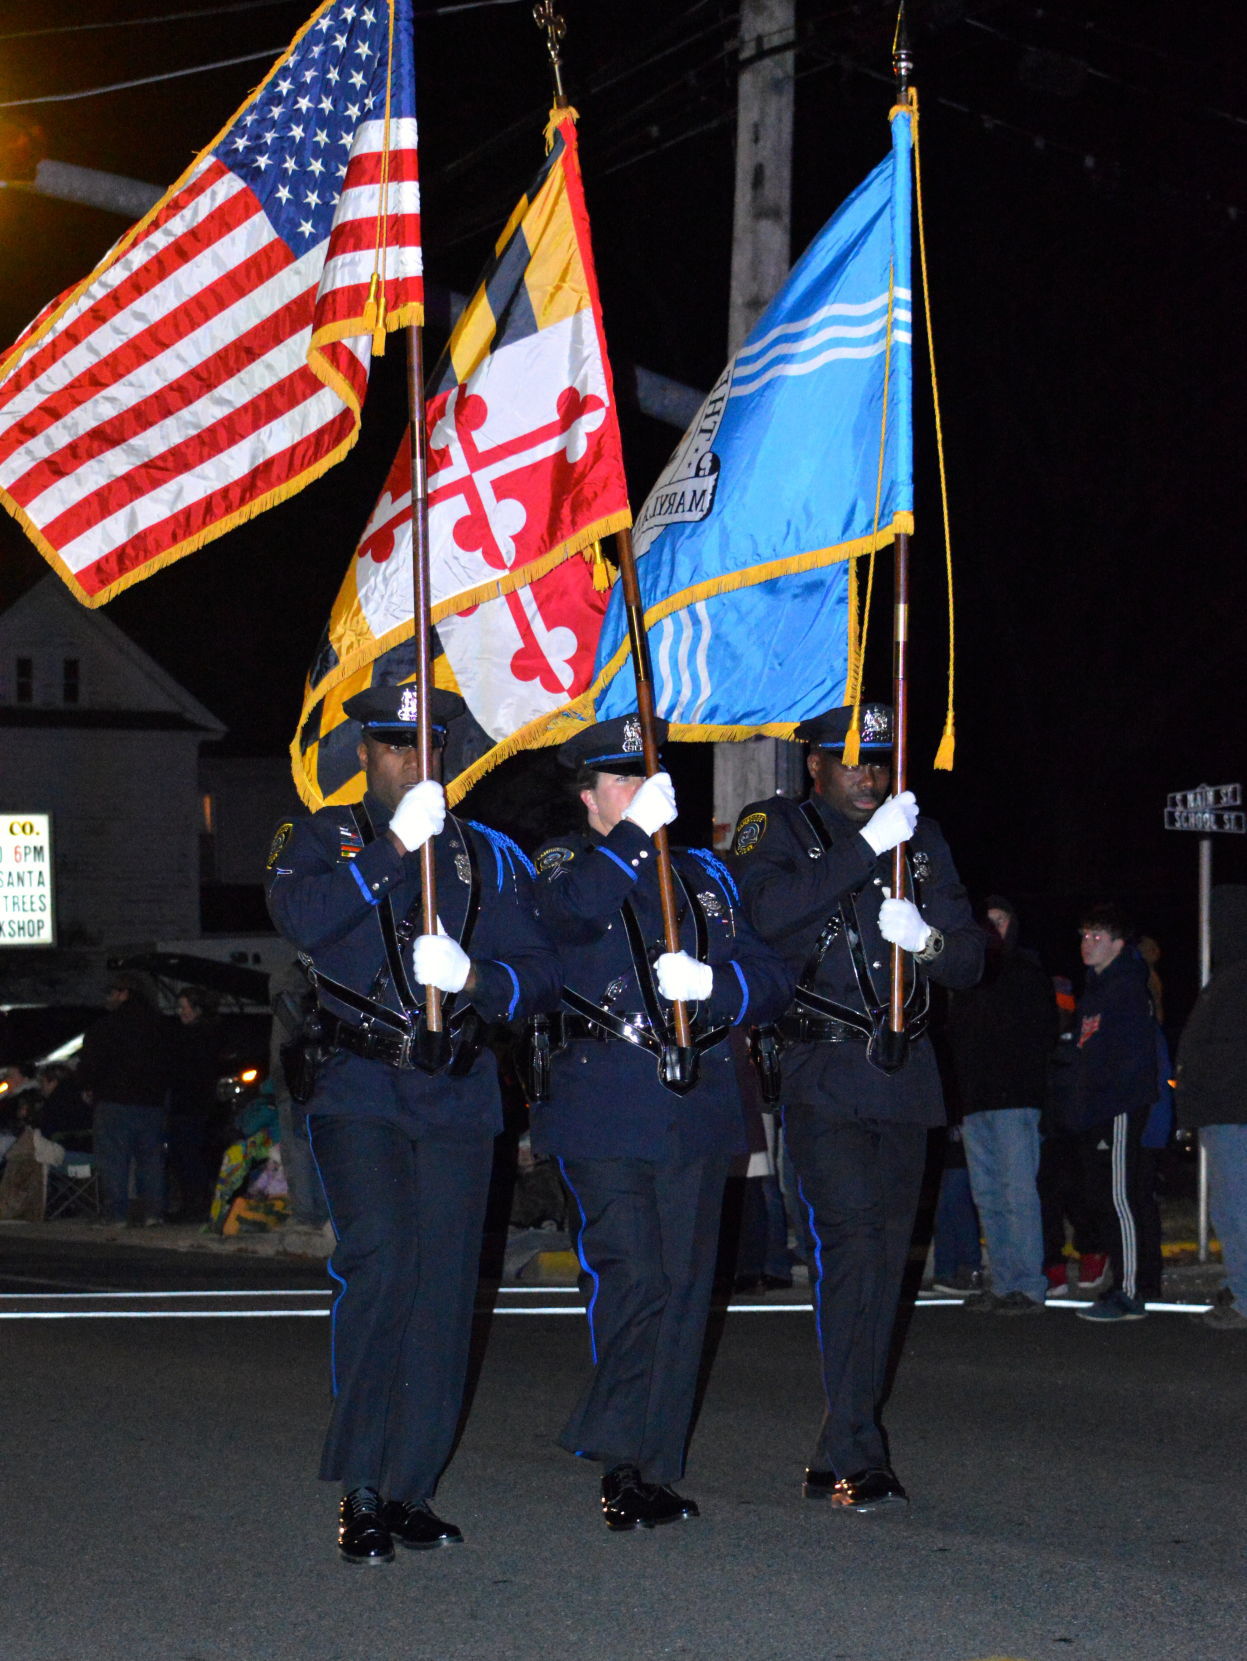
933, 947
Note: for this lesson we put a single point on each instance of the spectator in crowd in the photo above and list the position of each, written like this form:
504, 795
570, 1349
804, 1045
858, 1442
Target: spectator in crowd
763, 1263
1112, 1091
1000, 1033
958, 1265
1061, 1188
18, 1082
1212, 1097
293, 1005
124, 1073
196, 1064
20, 1101
1150, 952
65, 1117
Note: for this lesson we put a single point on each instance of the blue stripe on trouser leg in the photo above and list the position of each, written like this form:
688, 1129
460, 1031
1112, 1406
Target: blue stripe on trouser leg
584, 1261
341, 1292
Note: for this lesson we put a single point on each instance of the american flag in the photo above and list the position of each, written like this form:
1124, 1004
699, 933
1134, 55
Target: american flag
217, 360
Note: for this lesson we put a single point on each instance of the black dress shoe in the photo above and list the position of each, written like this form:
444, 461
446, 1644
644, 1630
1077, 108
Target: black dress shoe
629, 1503
416, 1527
868, 1491
362, 1534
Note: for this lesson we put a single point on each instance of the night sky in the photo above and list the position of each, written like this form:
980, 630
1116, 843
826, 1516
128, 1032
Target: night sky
1086, 210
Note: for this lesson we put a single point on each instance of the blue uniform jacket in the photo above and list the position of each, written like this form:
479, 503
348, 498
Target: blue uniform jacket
325, 888
606, 1098
790, 886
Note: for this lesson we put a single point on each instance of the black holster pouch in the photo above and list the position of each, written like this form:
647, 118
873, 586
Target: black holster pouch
300, 1061
764, 1052
543, 1035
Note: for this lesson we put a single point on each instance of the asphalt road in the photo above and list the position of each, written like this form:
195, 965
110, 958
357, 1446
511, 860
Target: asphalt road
1077, 1491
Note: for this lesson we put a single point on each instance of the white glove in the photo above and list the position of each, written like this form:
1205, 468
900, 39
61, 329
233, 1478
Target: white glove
892, 823
440, 961
902, 924
681, 977
653, 806
420, 815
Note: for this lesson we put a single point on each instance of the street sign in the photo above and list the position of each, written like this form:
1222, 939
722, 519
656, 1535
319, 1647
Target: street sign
1208, 809
26, 914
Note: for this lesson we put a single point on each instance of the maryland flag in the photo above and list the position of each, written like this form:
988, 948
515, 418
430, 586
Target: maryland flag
525, 470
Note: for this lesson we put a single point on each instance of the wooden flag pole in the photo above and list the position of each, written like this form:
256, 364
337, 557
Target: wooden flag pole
682, 1067
902, 68
678, 1065
435, 1052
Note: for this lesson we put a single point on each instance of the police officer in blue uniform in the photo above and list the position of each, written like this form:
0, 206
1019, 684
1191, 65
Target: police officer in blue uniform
645, 1163
857, 1104
404, 1151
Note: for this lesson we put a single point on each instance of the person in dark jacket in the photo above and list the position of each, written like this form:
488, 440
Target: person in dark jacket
196, 1051
403, 1135
124, 1073
857, 1104
645, 1164
1000, 1033
1212, 1097
1113, 1086
1062, 1196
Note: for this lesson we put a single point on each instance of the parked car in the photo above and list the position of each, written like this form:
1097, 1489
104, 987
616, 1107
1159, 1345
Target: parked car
44, 1032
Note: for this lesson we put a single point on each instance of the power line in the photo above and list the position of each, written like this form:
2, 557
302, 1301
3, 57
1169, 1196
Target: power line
141, 81
222, 11
269, 52
1090, 70
147, 22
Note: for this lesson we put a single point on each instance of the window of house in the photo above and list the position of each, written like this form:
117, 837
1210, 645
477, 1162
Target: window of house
24, 687
71, 683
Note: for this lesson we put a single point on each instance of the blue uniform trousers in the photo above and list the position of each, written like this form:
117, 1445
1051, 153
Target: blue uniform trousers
408, 1208
647, 1233
859, 1181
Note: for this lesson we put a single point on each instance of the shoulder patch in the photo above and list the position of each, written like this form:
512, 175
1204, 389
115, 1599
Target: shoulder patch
749, 833
280, 837
550, 859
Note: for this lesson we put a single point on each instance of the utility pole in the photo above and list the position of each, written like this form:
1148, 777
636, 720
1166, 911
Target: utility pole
761, 255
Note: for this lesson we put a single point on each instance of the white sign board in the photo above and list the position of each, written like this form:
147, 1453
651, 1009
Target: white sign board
1209, 808
26, 914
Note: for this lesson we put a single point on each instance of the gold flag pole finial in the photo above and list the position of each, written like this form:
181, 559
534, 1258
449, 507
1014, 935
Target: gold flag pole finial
554, 26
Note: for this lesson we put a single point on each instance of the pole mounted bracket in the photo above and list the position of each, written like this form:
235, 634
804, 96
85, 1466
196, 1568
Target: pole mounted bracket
553, 25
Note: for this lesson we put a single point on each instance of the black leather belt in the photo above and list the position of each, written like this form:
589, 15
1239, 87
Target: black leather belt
633, 1023
804, 1028
391, 1047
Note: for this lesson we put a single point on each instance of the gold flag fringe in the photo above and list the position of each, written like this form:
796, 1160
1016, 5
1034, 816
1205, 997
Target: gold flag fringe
558, 114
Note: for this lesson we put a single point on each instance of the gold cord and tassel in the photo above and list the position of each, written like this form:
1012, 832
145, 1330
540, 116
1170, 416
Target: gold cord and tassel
947, 746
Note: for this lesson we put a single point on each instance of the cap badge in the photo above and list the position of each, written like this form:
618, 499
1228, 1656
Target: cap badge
409, 705
632, 735
875, 725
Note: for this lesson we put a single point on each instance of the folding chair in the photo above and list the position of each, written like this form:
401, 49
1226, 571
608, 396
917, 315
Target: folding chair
73, 1189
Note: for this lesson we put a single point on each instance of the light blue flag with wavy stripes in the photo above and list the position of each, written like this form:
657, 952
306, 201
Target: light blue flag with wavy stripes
792, 468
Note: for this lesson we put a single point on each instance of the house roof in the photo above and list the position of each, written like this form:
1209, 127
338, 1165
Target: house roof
121, 685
